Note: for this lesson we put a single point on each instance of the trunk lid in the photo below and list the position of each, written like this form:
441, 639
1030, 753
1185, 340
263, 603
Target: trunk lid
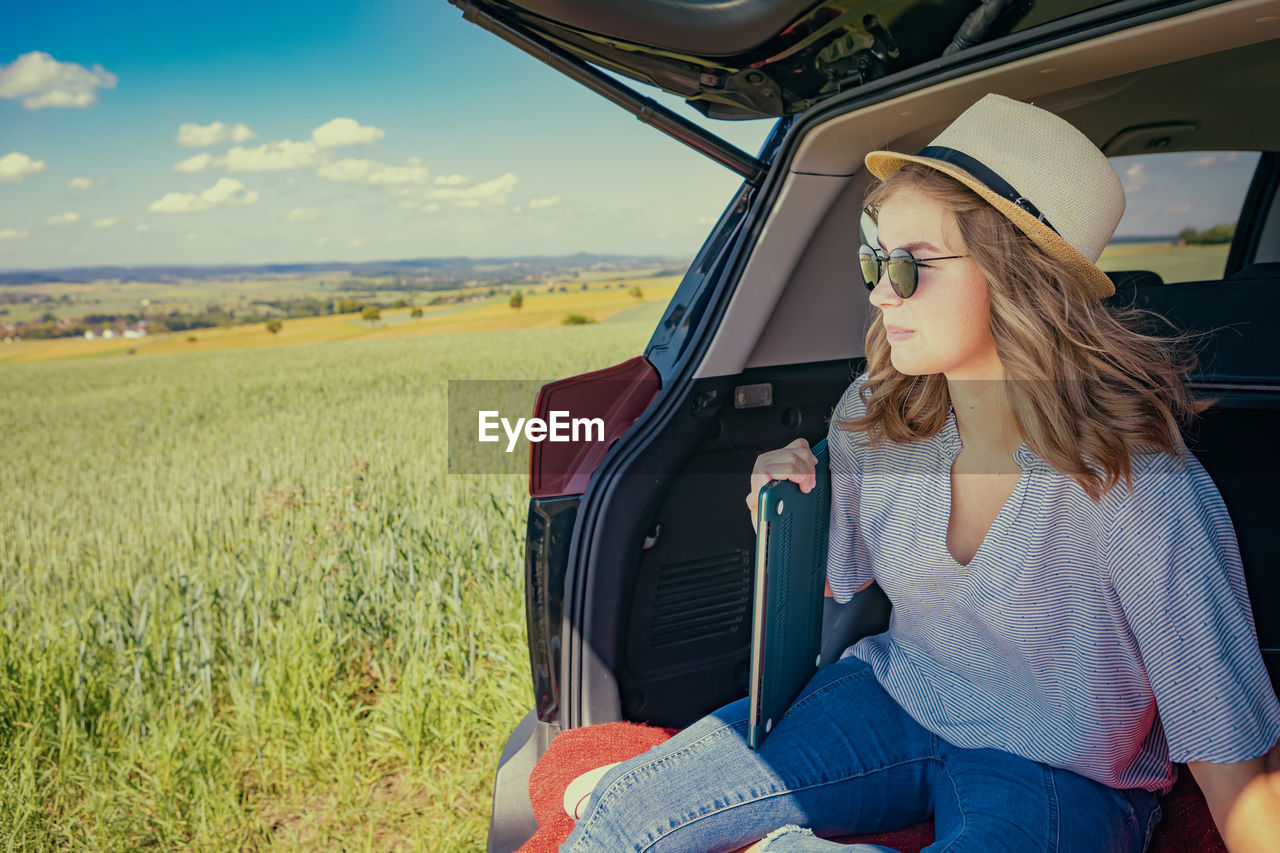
746, 59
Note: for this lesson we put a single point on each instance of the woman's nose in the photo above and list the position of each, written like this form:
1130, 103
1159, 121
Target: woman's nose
883, 294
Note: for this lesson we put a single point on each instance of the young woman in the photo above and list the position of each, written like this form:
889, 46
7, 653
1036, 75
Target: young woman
1069, 608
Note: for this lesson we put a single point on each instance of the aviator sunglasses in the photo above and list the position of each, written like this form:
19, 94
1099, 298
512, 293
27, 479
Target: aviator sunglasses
904, 272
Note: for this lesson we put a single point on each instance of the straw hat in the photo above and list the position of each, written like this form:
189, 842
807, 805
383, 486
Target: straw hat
1068, 199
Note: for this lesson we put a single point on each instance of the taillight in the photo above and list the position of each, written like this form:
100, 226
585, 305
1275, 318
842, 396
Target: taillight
615, 395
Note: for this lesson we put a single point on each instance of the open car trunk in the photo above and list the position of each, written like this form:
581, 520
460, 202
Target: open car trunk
651, 563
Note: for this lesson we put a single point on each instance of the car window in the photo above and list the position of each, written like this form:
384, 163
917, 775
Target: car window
1180, 212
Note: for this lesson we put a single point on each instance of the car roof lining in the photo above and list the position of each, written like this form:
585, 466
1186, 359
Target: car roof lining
1103, 86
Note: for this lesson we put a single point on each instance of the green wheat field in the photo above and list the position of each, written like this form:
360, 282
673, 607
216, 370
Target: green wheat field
244, 607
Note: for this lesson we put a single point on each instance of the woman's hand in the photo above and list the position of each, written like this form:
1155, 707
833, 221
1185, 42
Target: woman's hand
794, 462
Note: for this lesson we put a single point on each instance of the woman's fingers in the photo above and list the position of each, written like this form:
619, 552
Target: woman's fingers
795, 462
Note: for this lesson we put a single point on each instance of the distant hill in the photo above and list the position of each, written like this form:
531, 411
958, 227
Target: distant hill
437, 269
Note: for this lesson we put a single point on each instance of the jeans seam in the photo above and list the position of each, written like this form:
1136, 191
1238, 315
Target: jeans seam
1055, 811
770, 796
1153, 818
964, 819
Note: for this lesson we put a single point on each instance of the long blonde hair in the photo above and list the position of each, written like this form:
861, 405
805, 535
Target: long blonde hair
1086, 385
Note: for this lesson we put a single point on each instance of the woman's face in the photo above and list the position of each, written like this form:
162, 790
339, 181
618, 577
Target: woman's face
945, 327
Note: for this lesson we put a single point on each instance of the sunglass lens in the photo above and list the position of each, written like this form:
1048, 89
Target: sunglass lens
902, 272
870, 265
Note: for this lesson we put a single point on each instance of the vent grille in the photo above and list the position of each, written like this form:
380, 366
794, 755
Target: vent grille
699, 600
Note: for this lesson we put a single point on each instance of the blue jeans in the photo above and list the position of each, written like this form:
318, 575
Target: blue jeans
847, 759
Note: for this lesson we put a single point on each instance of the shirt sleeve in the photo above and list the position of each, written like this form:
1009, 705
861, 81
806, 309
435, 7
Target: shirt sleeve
1175, 567
848, 560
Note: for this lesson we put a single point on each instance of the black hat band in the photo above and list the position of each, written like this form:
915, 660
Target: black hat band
990, 179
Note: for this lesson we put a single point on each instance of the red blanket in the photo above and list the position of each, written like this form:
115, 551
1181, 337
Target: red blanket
1186, 827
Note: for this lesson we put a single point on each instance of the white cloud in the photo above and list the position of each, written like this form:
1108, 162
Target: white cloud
356, 243
274, 156
142, 228
1198, 162
706, 220
62, 219
303, 214
322, 241
1180, 208
1137, 177
225, 191
346, 131
198, 136
1232, 157
16, 166
545, 201
42, 81
11, 234
85, 183
198, 163
492, 192
452, 181
372, 172
105, 223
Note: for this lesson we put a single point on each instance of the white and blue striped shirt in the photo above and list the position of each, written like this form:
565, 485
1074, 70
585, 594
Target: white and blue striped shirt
1105, 638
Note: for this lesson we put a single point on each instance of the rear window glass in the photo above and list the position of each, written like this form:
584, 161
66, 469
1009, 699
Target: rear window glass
1180, 212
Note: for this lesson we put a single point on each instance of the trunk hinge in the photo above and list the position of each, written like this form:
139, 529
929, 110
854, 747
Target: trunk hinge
647, 110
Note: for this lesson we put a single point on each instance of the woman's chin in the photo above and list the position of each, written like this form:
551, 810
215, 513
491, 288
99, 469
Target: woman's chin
906, 364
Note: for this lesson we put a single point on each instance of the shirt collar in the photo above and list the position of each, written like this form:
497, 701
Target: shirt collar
949, 445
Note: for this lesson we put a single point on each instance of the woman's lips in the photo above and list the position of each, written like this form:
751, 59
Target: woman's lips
897, 333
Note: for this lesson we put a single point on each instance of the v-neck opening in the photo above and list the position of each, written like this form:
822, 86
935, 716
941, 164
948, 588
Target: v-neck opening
951, 446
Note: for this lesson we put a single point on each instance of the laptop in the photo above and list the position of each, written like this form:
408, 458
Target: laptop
790, 577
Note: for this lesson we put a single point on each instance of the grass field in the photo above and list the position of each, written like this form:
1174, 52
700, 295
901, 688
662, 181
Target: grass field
1172, 263
243, 606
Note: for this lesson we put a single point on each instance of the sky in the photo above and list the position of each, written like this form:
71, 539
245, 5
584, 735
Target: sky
145, 133
148, 133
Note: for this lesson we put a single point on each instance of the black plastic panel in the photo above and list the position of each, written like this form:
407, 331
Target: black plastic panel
547, 536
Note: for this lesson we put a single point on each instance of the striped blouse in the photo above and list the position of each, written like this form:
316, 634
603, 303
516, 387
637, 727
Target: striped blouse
1105, 638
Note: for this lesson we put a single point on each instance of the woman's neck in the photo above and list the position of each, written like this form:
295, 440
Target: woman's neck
984, 419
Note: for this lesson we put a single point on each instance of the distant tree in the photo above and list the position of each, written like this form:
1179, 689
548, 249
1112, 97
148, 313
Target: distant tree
274, 326
371, 313
584, 285
577, 320
191, 339
416, 312
400, 303
1217, 234
348, 306
516, 301
637, 292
